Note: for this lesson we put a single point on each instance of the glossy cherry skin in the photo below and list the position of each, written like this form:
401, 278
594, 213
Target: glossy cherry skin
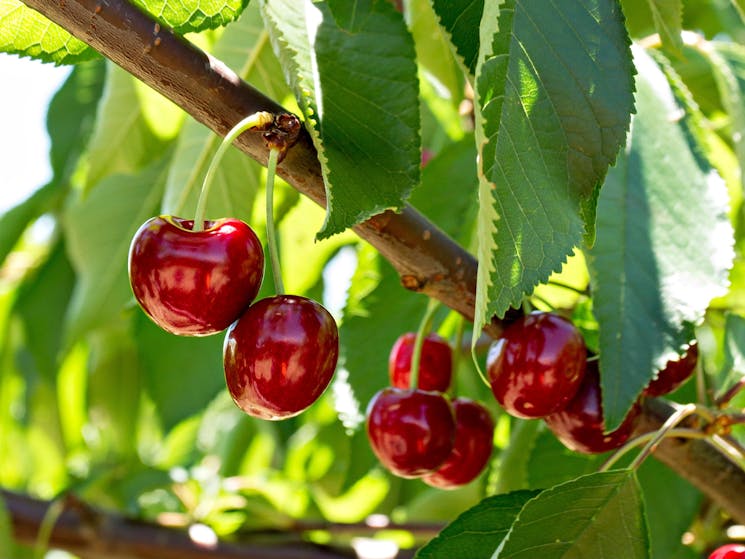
410, 431
280, 356
195, 283
729, 551
580, 426
674, 374
536, 366
435, 362
474, 441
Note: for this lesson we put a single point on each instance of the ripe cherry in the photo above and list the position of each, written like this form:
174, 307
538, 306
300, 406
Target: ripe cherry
729, 551
474, 440
410, 431
435, 363
280, 356
580, 425
674, 374
536, 366
195, 283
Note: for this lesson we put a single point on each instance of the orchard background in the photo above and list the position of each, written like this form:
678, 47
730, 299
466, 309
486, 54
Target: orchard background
588, 153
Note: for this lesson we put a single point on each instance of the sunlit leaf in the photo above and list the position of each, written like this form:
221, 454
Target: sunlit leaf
26, 32
552, 111
359, 93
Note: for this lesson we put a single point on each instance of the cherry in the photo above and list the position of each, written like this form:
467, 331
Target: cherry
410, 431
674, 374
729, 551
580, 425
280, 356
195, 283
536, 366
435, 362
474, 440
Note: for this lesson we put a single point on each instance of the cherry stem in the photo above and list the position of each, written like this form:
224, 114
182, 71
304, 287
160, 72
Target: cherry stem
43, 537
646, 438
271, 232
425, 326
730, 393
261, 118
577, 290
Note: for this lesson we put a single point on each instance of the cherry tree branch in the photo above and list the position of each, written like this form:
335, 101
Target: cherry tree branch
95, 534
427, 260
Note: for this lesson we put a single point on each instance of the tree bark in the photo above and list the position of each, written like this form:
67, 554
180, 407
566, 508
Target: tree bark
427, 260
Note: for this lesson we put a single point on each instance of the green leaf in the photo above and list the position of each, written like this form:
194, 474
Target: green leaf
114, 389
245, 47
122, 140
14, 222
478, 531
359, 94
671, 504
181, 374
26, 32
552, 112
728, 64
593, 516
99, 230
71, 116
668, 20
459, 19
663, 250
433, 48
734, 352
193, 15
551, 463
41, 304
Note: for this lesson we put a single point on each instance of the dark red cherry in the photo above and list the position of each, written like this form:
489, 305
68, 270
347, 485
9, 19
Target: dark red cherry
195, 283
537, 364
435, 363
280, 356
580, 426
410, 431
474, 440
674, 374
729, 551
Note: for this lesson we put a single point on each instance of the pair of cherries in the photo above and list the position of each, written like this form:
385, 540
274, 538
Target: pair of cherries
538, 368
419, 432
279, 354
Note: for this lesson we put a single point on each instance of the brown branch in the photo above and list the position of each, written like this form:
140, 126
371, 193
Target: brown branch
427, 260
697, 461
92, 533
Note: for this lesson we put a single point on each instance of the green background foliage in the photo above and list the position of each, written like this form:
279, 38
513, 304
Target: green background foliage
561, 155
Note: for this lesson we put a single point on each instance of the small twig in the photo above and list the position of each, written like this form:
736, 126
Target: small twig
725, 398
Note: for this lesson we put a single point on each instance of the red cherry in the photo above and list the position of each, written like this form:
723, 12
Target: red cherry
410, 431
729, 551
474, 440
580, 426
674, 374
195, 283
536, 366
435, 363
280, 356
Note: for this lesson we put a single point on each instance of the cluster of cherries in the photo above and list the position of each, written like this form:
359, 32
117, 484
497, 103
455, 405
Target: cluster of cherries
538, 368
279, 353
419, 432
